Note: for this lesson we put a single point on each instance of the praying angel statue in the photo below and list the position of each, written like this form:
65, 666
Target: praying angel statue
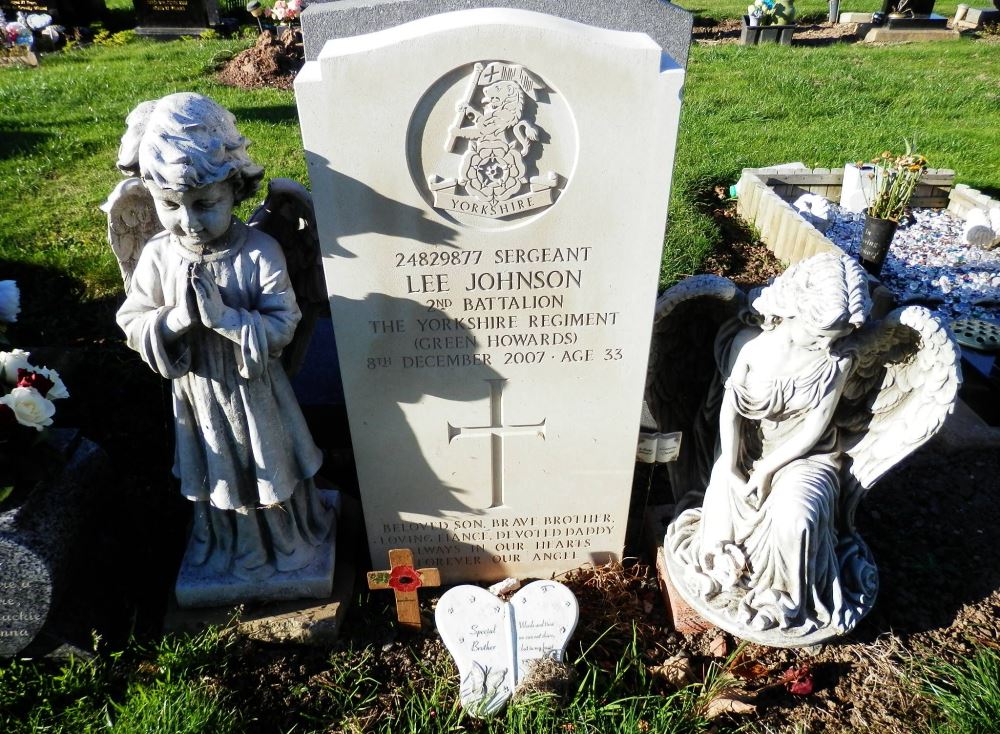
211, 304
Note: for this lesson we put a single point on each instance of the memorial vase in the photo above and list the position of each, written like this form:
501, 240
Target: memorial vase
875, 240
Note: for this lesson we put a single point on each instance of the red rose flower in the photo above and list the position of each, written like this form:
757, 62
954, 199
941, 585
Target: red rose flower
404, 578
27, 378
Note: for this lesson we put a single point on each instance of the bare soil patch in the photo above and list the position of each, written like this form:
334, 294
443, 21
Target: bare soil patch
807, 34
273, 61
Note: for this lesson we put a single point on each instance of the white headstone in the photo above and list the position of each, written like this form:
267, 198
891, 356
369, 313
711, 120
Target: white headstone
494, 642
491, 188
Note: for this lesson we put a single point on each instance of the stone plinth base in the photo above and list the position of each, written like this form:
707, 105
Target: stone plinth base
910, 35
967, 18
199, 586
855, 18
168, 34
683, 618
303, 621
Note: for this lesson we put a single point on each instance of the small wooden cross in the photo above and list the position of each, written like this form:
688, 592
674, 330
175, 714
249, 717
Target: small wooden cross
404, 580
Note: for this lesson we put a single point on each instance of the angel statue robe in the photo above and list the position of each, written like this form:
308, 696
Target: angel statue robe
243, 451
806, 567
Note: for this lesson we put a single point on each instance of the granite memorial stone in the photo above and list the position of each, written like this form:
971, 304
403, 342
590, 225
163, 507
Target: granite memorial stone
172, 18
495, 643
667, 24
38, 539
491, 191
63, 12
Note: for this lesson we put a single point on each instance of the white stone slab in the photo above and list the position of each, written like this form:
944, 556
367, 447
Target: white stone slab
493, 353
494, 642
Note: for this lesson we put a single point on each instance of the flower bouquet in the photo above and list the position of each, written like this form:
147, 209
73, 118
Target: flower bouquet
895, 179
771, 12
285, 11
27, 393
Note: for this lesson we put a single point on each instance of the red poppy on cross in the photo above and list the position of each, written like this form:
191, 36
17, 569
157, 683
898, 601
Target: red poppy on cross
404, 580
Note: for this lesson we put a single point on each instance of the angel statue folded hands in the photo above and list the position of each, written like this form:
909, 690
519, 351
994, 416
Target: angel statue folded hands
810, 405
210, 305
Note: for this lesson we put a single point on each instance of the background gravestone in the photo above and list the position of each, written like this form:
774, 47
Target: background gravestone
175, 17
63, 12
667, 24
491, 190
40, 541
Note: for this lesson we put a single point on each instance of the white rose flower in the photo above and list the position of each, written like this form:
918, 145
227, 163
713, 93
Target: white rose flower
58, 390
30, 408
11, 362
10, 301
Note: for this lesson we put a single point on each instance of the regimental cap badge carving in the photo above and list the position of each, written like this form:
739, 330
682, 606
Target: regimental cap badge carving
492, 179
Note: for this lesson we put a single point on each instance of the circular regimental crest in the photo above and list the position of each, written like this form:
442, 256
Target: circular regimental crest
491, 145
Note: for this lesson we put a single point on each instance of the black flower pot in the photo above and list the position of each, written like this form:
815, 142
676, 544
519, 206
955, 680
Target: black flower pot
753, 35
875, 241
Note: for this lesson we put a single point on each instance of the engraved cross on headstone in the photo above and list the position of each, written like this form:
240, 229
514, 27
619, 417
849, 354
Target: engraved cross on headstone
497, 431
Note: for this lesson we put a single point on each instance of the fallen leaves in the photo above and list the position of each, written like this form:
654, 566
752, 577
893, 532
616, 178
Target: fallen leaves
727, 705
676, 670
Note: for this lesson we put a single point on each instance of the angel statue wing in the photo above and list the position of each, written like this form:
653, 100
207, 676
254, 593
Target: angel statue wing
682, 386
287, 214
904, 385
132, 221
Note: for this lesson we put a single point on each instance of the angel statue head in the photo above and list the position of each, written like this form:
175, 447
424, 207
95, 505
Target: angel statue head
819, 300
194, 163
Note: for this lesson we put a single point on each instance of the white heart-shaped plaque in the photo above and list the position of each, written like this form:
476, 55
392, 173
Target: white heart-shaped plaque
494, 642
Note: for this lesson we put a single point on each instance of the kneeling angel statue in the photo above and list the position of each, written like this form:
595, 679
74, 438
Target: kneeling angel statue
211, 305
793, 402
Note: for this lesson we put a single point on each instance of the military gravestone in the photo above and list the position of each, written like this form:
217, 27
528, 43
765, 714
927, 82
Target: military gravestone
170, 18
491, 190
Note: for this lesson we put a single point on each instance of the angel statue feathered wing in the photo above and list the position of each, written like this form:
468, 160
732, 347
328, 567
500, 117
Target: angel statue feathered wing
793, 403
217, 307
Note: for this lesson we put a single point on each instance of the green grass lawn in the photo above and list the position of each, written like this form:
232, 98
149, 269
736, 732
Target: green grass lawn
60, 125
825, 106
806, 10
